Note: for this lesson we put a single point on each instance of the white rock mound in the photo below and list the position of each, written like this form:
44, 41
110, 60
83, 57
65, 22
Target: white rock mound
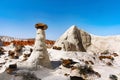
74, 39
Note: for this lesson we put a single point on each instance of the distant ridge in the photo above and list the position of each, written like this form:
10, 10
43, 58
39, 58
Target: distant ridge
8, 38
20, 41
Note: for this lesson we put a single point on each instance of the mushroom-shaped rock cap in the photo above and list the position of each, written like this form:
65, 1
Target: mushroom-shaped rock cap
41, 26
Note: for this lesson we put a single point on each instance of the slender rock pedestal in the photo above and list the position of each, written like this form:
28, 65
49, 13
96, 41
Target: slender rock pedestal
39, 56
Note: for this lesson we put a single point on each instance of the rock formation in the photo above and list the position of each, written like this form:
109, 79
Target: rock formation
99, 44
39, 55
74, 39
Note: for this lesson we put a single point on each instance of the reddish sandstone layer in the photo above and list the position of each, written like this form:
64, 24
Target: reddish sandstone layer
27, 42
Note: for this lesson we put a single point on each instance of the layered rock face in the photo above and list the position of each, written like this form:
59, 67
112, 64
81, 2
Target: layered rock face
74, 39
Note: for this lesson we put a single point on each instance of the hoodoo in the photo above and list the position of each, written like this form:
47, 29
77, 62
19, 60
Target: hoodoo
39, 56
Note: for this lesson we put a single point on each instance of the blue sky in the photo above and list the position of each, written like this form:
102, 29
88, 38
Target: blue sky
99, 17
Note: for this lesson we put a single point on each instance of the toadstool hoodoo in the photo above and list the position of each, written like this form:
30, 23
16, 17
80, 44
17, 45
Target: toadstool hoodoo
39, 56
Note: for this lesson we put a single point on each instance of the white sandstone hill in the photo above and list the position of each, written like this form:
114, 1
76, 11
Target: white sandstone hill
75, 39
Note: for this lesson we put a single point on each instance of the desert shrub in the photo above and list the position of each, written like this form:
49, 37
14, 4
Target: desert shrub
113, 77
87, 70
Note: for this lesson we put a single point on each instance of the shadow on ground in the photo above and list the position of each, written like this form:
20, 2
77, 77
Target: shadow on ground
55, 64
